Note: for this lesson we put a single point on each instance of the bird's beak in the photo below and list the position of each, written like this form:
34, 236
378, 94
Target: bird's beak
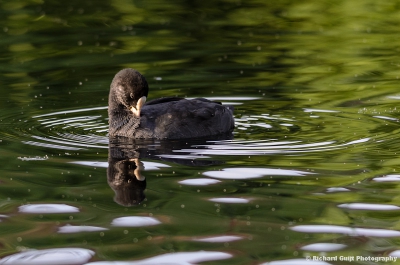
136, 109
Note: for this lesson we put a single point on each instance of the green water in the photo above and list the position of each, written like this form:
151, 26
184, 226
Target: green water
314, 159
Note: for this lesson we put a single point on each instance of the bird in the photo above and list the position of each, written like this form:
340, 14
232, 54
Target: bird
164, 118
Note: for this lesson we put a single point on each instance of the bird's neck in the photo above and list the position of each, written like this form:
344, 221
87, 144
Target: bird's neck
122, 122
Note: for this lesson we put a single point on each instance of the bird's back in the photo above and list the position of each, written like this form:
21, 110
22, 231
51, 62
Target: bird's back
176, 118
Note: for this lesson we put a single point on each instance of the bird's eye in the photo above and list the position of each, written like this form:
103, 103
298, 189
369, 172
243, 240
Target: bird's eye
131, 95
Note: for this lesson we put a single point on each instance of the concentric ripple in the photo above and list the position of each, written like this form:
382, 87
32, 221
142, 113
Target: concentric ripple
71, 130
265, 147
87, 128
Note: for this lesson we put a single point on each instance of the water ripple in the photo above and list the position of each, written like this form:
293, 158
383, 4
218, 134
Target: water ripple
249, 173
50, 256
87, 128
264, 147
335, 229
183, 258
67, 130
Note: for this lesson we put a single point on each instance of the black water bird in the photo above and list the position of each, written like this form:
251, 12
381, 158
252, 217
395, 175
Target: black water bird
164, 118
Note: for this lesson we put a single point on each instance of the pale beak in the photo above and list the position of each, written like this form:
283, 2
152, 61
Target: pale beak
139, 105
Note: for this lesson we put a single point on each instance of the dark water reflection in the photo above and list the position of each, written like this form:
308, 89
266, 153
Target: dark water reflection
125, 169
311, 170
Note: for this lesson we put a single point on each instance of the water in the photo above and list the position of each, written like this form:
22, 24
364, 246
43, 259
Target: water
312, 170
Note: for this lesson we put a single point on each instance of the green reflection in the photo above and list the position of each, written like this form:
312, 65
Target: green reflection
295, 58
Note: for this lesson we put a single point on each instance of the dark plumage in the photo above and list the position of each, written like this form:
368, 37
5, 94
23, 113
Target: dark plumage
164, 118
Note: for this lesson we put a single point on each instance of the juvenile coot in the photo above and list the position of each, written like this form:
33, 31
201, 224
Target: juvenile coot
164, 118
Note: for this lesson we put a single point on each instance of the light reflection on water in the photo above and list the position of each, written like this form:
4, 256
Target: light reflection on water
54, 130
97, 127
323, 247
230, 200
67, 256
313, 165
199, 181
71, 131
265, 147
67, 229
297, 262
249, 173
369, 206
218, 239
179, 258
353, 231
388, 178
135, 221
48, 208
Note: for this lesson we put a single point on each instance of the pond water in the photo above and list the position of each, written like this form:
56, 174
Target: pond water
311, 175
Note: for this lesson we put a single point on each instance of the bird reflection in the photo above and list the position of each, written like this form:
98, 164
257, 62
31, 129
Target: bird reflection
125, 177
125, 170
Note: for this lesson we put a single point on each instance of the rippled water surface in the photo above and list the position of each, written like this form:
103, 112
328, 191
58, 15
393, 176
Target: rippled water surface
312, 170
